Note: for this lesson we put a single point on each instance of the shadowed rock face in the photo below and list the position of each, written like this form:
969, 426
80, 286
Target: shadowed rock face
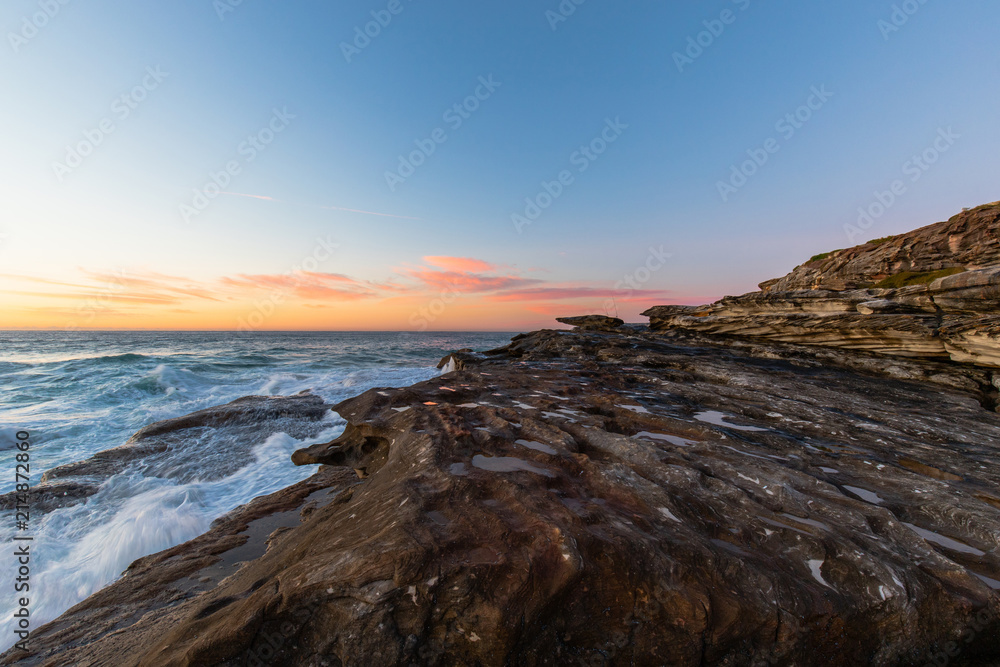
834, 301
592, 322
601, 499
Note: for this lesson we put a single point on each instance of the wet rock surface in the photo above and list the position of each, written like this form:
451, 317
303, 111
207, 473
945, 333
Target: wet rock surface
601, 499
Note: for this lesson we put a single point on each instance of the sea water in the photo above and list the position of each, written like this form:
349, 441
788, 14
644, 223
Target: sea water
79, 393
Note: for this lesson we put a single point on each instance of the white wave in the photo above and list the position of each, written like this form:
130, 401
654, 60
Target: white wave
80, 549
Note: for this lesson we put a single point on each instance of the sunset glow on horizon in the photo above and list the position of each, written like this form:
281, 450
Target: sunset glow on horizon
439, 294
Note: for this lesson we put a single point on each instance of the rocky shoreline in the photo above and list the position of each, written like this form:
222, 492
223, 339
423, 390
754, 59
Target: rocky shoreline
809, 475
597, 497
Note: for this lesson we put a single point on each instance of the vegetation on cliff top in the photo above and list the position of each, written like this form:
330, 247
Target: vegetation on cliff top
822, 255
907, 278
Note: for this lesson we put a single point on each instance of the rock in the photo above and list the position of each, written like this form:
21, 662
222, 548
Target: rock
881, 307
973, 341
837, 301
582, 497
592, 322
972, 291
969, 240
456, 360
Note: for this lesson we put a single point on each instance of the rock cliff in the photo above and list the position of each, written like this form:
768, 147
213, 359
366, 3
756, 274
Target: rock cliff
933, 293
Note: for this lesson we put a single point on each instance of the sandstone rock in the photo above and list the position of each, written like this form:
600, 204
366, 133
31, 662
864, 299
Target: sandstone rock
833, 301
586, 498
975, 341
881, 307
969, 240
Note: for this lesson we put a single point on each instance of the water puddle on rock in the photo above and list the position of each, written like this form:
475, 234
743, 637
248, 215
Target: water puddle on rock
865, 494
946, 542
808, 522
537, 446
992, 583
507, 464
719, 419
816, 567
666, 437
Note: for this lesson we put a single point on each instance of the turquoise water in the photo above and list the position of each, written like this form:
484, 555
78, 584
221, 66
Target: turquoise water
80, 393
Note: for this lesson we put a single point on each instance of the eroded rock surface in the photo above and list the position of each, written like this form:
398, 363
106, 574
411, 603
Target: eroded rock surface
601, 499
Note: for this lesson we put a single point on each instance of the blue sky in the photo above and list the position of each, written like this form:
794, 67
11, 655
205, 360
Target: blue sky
656, 185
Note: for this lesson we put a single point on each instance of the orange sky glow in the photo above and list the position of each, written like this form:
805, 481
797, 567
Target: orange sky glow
438, 294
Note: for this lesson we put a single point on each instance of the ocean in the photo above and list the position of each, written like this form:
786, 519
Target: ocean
79, 393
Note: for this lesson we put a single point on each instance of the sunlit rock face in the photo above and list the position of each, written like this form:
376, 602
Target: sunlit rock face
931, 293
969, 240
601, 498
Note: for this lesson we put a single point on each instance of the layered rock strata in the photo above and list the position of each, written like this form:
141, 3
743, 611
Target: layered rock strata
842, 300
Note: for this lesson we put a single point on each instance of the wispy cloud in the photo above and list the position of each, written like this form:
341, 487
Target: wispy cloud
326, 208
306, 285
382, 215
240, 194
125, 287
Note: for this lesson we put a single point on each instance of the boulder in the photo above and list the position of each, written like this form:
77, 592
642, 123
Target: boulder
592, 322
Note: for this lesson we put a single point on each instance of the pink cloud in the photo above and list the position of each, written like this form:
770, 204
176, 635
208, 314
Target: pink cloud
579, 292
467, 282
460, 264
307, 285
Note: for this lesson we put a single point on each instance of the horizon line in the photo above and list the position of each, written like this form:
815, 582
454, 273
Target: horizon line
234, 331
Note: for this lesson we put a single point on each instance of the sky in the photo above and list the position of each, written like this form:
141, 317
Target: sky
417, 165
